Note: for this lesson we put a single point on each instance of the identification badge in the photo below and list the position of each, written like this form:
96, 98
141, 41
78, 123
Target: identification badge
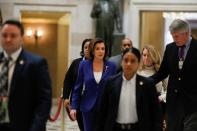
181, 64
4, 110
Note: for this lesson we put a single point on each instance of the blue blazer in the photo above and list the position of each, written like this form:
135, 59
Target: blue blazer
88, 96
30, 93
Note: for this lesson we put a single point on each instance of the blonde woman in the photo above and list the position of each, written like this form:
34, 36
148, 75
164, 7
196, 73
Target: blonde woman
149, 65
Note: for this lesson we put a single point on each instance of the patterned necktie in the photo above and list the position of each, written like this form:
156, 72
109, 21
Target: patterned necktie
4, 90
181, 52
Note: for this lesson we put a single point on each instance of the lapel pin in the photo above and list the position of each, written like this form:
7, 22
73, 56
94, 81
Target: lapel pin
21, 62
106, 67
141, 83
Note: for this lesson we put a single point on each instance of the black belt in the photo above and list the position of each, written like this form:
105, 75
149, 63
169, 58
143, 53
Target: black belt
129, 126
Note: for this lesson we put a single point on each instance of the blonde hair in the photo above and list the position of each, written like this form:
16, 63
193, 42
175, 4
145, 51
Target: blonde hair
154, 55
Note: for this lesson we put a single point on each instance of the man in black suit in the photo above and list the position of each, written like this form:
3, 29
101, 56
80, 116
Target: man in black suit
29, 86
129, 102
125, 43
180, 63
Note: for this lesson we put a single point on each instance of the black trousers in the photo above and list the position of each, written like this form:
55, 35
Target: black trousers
117, 128
183, 123
163, 106
80, 120
5, 127
190, 122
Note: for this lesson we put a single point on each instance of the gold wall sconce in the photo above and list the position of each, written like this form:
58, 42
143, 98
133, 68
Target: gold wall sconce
37, 33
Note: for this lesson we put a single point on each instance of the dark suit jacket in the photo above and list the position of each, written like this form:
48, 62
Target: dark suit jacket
182, 84
148, 108
71, 78
30, 94
91, 93
117, 61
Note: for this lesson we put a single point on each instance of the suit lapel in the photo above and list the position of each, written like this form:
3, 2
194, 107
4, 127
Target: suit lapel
90, 70
139, 85
118, 86
105, 70
189, 55
174, 57
117, 90
20, 62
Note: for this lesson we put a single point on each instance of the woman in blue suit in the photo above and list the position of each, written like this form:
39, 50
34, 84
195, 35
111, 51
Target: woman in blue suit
91, 79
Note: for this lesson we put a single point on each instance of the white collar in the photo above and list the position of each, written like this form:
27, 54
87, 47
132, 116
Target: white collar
14, 55
132, 79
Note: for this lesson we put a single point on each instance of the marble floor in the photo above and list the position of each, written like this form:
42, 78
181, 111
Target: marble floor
63, 123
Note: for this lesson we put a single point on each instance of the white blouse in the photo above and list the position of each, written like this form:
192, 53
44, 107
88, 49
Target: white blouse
97, 76
127, 109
